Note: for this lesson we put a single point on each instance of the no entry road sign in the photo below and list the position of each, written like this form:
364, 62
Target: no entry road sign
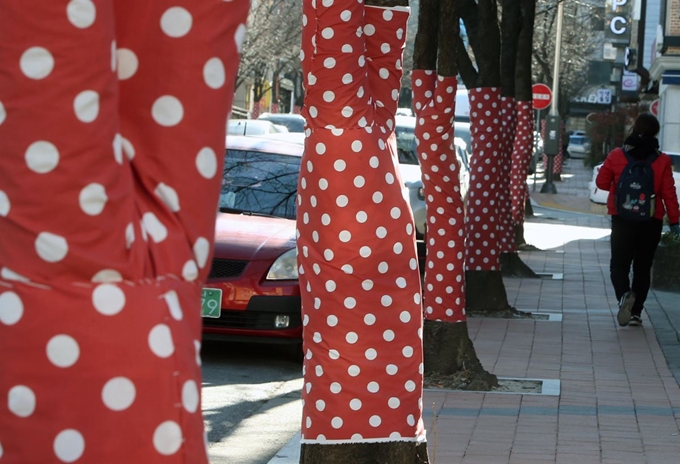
654, 108
542, 96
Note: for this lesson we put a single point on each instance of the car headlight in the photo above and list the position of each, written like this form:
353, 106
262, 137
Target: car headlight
421, 193
285, 267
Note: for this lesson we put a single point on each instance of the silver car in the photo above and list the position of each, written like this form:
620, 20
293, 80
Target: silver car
579, 146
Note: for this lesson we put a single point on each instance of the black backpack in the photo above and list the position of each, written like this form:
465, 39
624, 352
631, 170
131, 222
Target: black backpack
635, 197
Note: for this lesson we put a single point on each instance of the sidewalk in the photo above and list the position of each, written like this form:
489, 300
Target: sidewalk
619, 400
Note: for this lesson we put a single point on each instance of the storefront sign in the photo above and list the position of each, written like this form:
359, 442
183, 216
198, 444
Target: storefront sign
617, 21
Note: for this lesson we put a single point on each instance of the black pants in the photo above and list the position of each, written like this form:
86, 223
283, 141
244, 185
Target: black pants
633, 242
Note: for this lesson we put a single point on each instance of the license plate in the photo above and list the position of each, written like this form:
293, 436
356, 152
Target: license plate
211, 302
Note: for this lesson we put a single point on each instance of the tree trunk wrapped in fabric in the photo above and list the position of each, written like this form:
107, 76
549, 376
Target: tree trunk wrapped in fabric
522, 150
512, 28
505, 229
112, 124
434, 98
485, 288
521, 158
359, 278
448, 349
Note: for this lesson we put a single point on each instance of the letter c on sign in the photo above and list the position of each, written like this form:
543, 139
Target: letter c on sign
613, 25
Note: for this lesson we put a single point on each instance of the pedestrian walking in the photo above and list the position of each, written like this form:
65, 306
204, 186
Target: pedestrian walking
641, 192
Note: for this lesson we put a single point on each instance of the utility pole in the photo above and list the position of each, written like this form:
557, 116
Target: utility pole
553, 126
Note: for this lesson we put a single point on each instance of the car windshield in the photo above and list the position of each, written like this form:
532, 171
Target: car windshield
260, 183
578, 139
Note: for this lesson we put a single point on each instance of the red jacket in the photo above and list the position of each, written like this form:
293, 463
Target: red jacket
664, 184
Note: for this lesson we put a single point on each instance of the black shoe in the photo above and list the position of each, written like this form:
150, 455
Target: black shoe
635, 321
625, 306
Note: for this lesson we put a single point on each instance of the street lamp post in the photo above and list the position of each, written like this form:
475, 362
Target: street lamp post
552, 122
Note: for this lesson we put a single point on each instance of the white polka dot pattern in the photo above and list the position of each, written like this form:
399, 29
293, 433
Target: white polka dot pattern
127, 63
91, 163
482, 202
69, 445
445, 265
119, 393
357, 230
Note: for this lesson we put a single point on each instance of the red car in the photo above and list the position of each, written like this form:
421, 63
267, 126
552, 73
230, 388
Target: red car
252, 292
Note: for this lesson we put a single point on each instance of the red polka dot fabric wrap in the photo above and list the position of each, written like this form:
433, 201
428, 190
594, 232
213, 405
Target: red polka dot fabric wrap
521, 157
358, 265
483, 209
506, 232
112, 117
434, 98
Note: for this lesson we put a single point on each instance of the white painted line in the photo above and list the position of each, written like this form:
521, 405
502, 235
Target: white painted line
559, 252
552, 317
551, 387
552, 390
551, 275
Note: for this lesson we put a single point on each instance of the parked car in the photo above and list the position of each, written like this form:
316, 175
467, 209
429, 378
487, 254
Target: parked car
579, 146
601, 196
597, 195
253, 127
292, 122
410, 167
252, 292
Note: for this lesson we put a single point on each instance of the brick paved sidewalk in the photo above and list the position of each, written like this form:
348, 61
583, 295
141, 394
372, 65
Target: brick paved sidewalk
618, 402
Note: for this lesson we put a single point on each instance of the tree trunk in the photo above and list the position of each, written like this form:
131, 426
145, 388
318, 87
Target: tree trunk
519, 235
486, 294
523, 149
528, 208
359, 279
513, 266
522, 245
482, 246
365, 453
449, 351
434, 98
